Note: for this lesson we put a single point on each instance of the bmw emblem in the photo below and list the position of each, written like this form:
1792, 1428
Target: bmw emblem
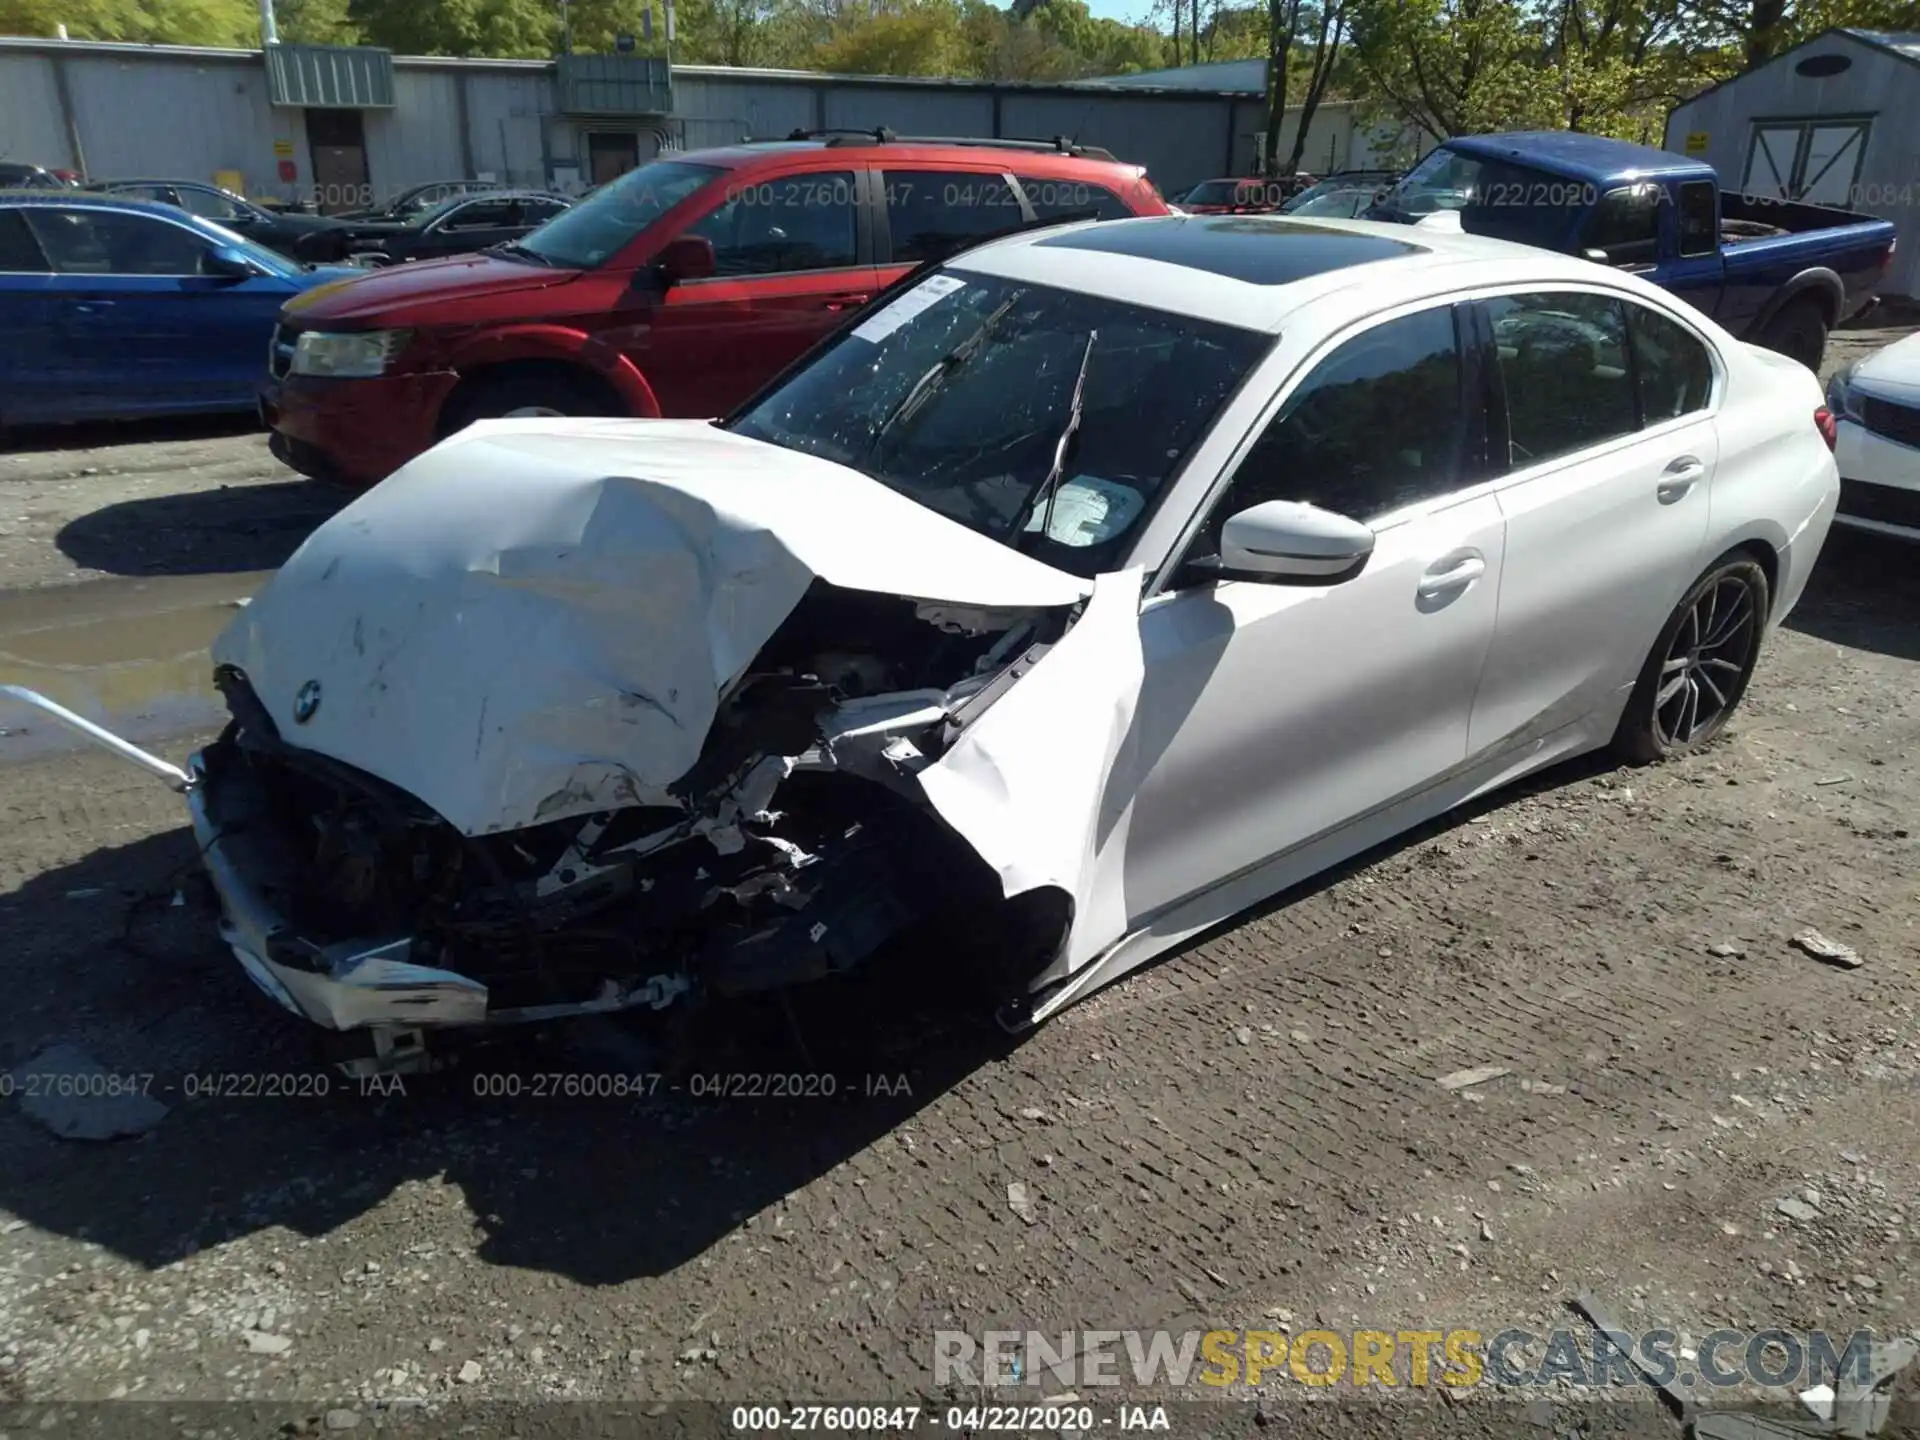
306, 702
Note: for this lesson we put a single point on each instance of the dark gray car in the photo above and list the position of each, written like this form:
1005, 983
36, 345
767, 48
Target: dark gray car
276, 229
454, 227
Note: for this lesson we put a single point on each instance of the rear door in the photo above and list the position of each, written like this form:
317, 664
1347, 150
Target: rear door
1605, 499
30, 390
144, 328
793, 258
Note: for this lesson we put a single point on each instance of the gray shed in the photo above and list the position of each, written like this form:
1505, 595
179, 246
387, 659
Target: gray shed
1833, 121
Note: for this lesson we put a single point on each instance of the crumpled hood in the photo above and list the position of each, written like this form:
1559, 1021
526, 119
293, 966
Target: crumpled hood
536, 618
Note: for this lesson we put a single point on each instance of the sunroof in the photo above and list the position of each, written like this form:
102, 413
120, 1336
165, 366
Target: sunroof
1260, 252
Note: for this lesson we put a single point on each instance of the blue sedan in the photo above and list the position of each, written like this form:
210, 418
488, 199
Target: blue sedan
117, 309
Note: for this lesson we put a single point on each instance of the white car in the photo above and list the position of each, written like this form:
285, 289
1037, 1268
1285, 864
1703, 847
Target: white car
1082, 593
1877, 404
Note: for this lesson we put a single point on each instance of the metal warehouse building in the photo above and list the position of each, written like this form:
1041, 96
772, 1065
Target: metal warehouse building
1835, 121
349, 124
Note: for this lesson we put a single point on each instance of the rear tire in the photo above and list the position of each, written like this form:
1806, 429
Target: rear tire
1698, 671
1799, 332
514, 396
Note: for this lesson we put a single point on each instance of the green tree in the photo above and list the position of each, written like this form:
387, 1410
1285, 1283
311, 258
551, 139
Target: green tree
315, 22
1098, 46
519, 29
146, 22
1455, 67
918, 37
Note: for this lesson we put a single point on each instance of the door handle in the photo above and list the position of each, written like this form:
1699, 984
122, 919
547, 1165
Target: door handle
845, 302
1454, 572
1679, 477
90, 307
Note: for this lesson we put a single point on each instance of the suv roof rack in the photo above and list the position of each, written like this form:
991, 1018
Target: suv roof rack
880, 135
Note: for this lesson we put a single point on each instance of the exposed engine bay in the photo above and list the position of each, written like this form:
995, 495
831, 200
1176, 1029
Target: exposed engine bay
799, 846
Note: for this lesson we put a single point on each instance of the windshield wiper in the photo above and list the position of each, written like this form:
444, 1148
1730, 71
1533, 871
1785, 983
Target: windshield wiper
1063, 449
941, 371
518, 251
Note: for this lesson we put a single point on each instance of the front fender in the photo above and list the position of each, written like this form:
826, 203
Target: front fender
504, 345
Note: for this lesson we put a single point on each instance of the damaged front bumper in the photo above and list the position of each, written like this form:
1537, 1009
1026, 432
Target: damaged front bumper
343, 986
368, 988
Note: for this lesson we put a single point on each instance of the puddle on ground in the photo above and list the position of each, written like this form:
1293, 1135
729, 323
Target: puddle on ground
130, 654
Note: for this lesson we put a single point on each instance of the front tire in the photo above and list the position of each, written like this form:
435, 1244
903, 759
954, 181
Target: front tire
1699, 668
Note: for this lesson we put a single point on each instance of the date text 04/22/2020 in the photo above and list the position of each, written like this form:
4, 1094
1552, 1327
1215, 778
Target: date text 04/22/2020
1052, 1418
698, 1085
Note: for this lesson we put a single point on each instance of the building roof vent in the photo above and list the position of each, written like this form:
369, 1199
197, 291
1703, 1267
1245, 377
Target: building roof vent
1819, 67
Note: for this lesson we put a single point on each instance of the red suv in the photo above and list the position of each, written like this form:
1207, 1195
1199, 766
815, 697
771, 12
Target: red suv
676, 290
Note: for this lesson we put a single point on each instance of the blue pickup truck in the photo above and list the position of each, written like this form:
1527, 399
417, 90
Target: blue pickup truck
1773, 271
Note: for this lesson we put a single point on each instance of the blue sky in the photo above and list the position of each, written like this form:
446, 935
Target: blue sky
1119, 9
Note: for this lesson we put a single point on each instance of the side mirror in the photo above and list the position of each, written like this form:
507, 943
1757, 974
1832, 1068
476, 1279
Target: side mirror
1285, 539
226, 263
690, 257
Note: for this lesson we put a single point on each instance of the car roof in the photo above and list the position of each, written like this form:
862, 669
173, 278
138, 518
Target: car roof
163, 180
1592, 157
505, 195
902, 152
1252, 271
94, 200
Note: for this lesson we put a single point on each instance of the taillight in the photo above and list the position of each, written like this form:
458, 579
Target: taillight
1824, 423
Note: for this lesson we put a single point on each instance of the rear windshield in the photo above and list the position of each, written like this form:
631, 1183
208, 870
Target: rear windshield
1494, 197
1212, 192
605, 222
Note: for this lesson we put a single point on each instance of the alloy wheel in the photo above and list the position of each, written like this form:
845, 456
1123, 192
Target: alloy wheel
1706, 665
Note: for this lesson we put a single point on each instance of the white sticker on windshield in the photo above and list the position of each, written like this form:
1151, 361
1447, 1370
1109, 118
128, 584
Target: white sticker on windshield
921, 298
1088, 510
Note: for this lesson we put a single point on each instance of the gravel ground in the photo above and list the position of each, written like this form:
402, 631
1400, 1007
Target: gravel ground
1701, 1123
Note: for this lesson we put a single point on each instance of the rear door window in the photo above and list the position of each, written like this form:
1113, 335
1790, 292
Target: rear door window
776, 227
1051, 198
1563, 365
1671, 366
932, 213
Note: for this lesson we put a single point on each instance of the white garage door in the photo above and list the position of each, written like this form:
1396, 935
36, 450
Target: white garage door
1812, 160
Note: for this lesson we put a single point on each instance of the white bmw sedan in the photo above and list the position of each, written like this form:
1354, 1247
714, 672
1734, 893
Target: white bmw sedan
1087, 589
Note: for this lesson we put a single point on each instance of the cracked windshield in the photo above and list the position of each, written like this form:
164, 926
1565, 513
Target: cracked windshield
959, 392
